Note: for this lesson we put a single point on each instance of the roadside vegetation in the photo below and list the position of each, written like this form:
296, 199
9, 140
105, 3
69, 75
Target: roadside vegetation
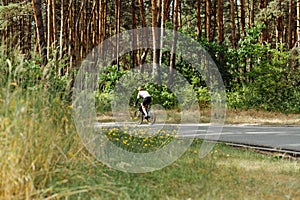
42, 157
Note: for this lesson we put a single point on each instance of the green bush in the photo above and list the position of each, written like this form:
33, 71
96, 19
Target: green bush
103, 101
108, 78
269, 79
162, 95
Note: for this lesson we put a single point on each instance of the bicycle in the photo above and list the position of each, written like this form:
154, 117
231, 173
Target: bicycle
139, 116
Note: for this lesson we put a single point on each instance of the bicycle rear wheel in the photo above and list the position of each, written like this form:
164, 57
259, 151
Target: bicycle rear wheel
152, 116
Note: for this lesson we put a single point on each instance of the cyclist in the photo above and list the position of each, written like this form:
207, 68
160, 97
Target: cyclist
147, 100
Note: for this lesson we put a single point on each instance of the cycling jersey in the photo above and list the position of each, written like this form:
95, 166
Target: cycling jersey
143, 94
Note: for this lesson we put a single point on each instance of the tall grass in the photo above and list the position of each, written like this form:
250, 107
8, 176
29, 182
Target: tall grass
31, 142
32, 137
41, 156
39, 147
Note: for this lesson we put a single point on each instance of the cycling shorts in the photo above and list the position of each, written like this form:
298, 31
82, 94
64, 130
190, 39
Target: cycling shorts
147, 101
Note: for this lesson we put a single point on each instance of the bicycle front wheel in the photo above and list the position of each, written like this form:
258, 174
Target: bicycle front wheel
137, 117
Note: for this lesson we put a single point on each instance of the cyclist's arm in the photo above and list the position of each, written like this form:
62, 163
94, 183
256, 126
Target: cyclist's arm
137, 99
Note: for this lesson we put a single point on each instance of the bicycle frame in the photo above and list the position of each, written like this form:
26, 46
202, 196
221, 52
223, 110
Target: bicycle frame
152, 116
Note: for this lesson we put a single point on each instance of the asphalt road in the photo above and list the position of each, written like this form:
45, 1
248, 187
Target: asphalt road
284, 138
276, 137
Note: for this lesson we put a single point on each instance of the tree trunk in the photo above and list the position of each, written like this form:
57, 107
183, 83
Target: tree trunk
145, 34
22, 34
95, 24
142, 13
265, 32
243, 20
118, 13
220, 22
232, 19
167, 9
87, 30
208, 18
238, 26
174, 44
198, 13
290, 25
214, 21
54, 23
279, 28
155, 41
62, 30
49, 27
40, 29
102, 22
162, 26
252, 13
82, 28
70, 39
298, 20
134, 35
29, 35
180, 15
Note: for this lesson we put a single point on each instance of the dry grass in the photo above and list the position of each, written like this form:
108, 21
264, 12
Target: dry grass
232, 117
261, 165
261, 117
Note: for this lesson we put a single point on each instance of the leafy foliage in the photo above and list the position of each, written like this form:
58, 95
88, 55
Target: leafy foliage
255, 76
268, 81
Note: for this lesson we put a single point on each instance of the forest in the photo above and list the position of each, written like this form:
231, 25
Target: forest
254, 43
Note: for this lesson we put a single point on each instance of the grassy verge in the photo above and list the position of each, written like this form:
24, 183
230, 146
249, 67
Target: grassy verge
42, 157
226, 173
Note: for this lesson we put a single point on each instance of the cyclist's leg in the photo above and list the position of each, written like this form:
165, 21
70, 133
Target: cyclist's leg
144, 109
141, 109
145, 104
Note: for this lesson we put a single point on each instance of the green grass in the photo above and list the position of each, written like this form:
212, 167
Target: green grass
42, 157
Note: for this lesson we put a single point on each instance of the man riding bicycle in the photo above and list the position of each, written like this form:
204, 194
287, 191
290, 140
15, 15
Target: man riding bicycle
147, 100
